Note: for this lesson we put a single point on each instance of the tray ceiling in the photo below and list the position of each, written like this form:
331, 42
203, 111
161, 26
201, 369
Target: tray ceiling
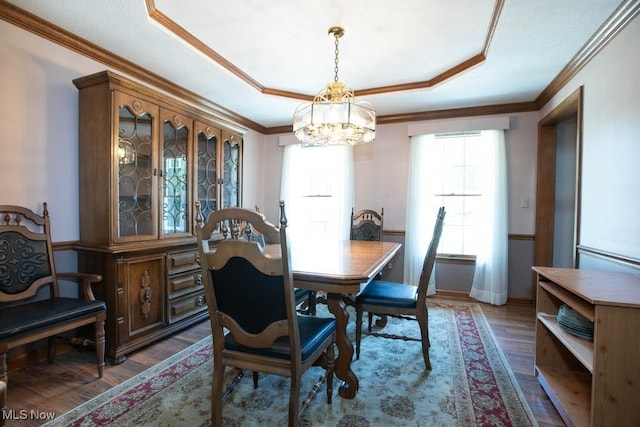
261, 59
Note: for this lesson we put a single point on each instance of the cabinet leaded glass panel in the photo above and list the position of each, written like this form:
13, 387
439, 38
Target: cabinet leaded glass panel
207, 181
174, 178
230, 173
135, 179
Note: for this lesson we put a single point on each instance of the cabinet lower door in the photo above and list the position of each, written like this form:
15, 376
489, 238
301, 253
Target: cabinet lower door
145, 293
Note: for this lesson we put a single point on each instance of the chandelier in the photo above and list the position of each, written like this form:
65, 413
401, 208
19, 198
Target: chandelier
334, 118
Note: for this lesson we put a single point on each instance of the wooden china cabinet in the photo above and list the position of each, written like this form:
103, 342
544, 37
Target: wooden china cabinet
145, 159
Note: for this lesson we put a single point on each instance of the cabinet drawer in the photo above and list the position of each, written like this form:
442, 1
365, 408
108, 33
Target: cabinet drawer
179, 262
185, 283
186, 306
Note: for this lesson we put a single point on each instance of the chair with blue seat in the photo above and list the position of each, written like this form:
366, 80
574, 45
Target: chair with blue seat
26, 267
305, 298
367, 224
250, 293
400, 300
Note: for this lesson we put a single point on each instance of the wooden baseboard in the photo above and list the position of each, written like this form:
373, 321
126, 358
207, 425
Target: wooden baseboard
465, 296
453, 294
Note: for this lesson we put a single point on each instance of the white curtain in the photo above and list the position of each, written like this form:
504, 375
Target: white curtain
298, 166
491, 273
490, 278
422, 208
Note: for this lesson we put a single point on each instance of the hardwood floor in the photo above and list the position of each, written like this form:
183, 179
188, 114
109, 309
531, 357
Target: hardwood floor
73, 378
513, 326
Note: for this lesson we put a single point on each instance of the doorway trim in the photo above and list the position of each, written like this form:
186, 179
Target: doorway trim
546, 177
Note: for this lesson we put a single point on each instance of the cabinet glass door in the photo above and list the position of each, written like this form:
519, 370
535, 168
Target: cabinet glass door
135, 172
231, 151
175, 176
207, 180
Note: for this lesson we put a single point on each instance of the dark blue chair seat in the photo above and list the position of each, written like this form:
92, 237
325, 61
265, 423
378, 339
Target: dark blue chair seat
26, 318
390, 294
314, 331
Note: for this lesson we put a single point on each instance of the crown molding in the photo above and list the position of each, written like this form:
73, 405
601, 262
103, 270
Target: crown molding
619, 19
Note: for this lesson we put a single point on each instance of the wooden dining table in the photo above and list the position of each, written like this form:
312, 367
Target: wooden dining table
340, 268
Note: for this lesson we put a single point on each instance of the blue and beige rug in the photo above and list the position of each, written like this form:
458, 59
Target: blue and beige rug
470, 384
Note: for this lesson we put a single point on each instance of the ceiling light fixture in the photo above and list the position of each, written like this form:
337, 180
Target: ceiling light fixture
334, 118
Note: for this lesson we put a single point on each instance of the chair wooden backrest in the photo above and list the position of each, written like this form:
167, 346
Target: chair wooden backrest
430, 258
26, 246
249, 292
367, 224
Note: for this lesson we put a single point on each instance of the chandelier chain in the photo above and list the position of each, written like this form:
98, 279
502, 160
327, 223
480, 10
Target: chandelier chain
335, 78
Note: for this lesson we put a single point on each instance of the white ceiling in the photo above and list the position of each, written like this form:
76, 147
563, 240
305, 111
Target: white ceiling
283, 46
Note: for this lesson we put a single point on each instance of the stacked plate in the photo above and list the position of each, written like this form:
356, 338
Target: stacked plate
575, 323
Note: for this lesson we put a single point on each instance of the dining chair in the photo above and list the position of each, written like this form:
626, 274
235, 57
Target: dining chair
367, 224
33, 306
400, 299
250, 294
305, 298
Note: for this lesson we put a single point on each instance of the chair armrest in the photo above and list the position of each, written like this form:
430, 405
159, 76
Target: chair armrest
84, 279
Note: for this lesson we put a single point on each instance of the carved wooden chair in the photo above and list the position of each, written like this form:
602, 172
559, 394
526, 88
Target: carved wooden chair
305, 298
400, 300
250, 293
26, 266
367, 224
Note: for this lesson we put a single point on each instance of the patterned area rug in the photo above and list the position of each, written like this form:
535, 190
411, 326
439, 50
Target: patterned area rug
470, 384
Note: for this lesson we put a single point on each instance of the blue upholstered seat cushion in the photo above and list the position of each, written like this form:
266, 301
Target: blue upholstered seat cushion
390, 294
313, 332
21, 319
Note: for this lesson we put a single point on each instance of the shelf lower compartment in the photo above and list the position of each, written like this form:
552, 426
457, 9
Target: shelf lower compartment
580, 348
570, 393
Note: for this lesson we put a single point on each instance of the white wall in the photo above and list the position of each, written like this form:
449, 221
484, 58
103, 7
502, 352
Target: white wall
610, 208
39, 127
253, 170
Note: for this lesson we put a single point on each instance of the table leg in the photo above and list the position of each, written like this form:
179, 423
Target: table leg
349, 387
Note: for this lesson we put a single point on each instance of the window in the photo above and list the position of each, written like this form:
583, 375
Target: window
459, 189
465, 173
317, 187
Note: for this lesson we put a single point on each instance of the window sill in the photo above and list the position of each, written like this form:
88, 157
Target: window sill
455, 259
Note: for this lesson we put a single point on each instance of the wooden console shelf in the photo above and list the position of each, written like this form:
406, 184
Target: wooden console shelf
590, 383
